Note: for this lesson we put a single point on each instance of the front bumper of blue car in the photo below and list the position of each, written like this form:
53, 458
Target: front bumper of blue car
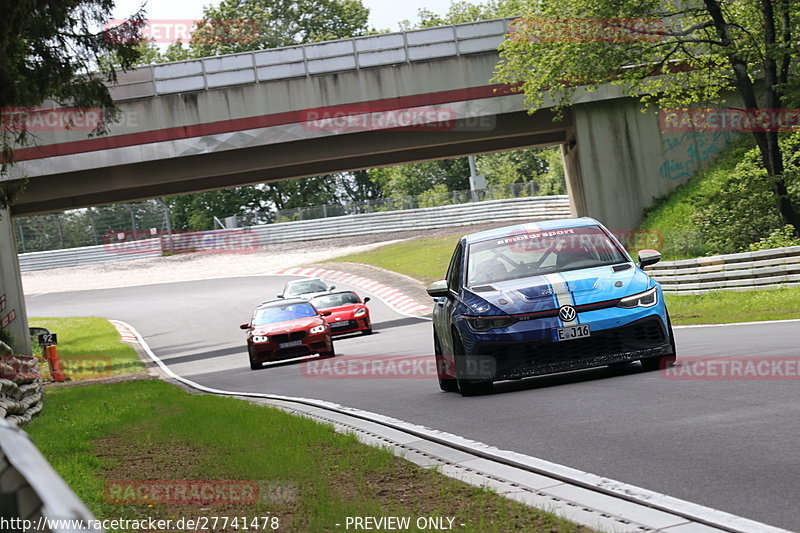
527, 347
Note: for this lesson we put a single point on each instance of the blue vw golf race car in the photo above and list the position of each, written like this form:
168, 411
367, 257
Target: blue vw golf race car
545, 297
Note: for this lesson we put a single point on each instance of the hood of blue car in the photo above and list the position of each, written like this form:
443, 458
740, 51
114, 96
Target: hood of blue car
541, 293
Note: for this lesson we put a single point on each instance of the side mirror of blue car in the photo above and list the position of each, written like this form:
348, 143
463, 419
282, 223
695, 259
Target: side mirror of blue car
438, 289
648, 257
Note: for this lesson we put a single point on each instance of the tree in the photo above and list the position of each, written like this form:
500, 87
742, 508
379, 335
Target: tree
463, 11
245, 25
673, 53
49, 50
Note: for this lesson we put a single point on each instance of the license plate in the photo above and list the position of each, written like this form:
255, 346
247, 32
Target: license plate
571, 332
290, 344
340, 324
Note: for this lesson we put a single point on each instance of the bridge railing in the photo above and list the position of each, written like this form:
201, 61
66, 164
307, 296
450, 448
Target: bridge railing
310, 59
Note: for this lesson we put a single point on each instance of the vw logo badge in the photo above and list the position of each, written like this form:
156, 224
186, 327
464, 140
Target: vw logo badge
567, 313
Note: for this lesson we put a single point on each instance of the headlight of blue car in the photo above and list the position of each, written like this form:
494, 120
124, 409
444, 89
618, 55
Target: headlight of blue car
485, 323
647, 298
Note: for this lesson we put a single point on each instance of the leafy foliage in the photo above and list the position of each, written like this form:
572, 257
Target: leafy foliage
727, 207
741, 209
778, 238
49, 50
666, 52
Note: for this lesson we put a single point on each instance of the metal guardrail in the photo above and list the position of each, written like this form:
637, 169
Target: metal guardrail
87, 255
530, 209
763, 269
32, 495
310, 59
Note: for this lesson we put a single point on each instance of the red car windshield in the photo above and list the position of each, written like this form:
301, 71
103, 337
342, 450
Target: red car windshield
336, 300
279, 313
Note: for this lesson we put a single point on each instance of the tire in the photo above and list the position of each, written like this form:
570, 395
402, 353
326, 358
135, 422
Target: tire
367, 331
652, 364
327, 355
467, 387
446, 384
254, 365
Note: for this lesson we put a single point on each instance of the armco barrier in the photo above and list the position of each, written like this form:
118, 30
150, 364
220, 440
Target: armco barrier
32, 496
87, 255
513, 209
764, 269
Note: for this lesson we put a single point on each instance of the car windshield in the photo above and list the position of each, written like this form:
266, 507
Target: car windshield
335, 300
527, 254
305, 287
279, 313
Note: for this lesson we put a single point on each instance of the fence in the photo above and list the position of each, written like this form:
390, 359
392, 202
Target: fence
87, 227
764, 269
528, 209
92, 226
400, 203
310, 59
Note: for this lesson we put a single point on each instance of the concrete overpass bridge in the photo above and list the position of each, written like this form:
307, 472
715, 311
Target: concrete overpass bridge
343, 105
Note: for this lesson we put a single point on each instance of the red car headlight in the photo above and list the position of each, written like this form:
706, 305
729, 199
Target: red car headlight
259, 339
360, 312
318, 329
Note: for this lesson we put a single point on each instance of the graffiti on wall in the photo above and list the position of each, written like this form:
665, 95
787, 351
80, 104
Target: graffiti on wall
685, 153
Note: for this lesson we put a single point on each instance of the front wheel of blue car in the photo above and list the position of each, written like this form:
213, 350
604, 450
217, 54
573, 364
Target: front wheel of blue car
466, 386
446, 382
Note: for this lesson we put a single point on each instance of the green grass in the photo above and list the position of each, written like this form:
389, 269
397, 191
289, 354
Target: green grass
422, 259
310, 476
672, 214
148, 429
728, 306
90, 347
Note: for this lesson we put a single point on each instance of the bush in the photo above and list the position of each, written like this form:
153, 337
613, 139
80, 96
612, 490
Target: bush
779, 238
741, 209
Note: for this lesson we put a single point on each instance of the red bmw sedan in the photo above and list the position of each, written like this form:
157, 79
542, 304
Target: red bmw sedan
285, 329
347, 312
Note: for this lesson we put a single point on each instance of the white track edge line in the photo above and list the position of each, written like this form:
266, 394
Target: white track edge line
692, 511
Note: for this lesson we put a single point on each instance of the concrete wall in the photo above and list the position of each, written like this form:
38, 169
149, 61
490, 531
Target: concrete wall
12, 301
621, 161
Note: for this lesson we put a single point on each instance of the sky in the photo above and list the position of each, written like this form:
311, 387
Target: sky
384, 14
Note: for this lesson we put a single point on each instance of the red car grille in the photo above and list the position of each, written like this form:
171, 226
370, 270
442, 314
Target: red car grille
288, 337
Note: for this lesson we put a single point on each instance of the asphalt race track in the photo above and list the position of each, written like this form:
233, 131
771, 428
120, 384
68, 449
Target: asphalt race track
731, 445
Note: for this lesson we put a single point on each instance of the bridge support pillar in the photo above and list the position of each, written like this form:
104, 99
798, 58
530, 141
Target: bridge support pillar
13, 316
574, 179
620, 160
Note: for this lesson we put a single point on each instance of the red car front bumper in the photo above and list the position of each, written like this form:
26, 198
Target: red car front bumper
277, 349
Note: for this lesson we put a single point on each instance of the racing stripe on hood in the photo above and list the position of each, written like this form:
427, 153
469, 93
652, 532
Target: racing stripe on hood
562, 295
